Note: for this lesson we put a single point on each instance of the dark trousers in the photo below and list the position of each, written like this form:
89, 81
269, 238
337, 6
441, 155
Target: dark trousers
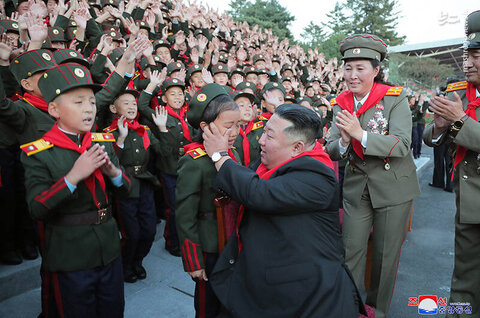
139, 221
206, 302
17, 227
442, 169
92, 293
169, 183
417, 133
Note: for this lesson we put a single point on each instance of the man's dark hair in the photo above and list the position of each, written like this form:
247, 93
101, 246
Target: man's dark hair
216, 106
305, 122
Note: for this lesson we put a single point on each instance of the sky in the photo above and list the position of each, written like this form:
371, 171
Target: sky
420, 20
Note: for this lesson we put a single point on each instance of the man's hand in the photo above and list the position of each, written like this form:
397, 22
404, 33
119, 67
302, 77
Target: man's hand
207, 76
38, 32
200, 274
449, 110
87, 163
350, 124
214, 141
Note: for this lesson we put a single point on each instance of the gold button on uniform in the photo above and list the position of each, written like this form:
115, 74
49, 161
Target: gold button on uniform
137, 151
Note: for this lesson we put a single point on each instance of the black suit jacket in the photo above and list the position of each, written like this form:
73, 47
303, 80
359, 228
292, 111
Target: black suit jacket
292, 260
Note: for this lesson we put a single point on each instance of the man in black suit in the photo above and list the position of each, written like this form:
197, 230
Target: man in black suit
286, 259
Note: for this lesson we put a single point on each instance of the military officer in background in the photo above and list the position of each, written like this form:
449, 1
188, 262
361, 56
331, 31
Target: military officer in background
456, 118
373, 130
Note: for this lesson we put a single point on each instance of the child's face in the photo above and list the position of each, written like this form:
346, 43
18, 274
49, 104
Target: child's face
252, 77
246, 111
229, 119
126, 105
164, 54
74, 110
221, 79
174, 97
197, 79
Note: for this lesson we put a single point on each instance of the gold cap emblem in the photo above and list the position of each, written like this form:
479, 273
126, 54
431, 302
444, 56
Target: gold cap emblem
202, 97
55, 31
356, 51
46, 56
471, 36
74, 54
79, 72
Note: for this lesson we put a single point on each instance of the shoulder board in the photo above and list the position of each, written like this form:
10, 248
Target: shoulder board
394, 91
333, 101
197, 153
146, 127
258, 124
262, 118
102, 137
36, 146
109, 129
456, 86
137, 74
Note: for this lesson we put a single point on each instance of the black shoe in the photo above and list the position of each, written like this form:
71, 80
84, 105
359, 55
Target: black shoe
140, 271
10, 258
448, 190
174, 250
435, 186
129, 276
29, 251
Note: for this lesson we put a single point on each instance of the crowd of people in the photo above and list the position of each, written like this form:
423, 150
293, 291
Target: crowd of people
115, 114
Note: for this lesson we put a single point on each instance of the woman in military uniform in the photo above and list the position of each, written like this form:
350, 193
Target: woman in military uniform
195, 210
372, 130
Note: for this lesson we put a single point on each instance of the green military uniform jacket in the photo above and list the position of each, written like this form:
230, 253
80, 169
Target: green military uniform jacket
70, 248
466, 174
253, 136
31, 123
171, 142
134, 158
390, 184
195, 210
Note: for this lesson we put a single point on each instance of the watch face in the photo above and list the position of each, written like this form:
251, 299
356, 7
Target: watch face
216, 156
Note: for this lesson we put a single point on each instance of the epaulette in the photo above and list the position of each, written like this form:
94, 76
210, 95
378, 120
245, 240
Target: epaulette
394, 91
456, 86
262, 118
137, 74
36, 146
110, 129
258, 124
100, 137
333, 102
146, 127
197, 153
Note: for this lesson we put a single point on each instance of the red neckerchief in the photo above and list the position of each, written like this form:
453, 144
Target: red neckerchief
183, 123
35, 101
316, 153
60, 139
134, 125
471, 111
246, 143
267, 115
345, 101
195, 145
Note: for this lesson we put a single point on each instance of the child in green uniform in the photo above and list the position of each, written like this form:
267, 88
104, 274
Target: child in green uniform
68, 177
174, 133
195, 210
137, 211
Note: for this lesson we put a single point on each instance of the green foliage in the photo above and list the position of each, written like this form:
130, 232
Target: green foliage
424, 71
268, 14
337, 20
330, 47
376, 17
313, 35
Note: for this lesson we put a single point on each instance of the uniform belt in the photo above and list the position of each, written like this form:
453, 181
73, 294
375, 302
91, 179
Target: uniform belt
135, 170
207, 216
87, 218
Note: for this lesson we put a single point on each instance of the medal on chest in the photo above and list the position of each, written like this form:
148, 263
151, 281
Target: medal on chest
378, 124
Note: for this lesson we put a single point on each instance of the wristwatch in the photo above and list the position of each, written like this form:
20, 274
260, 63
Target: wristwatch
218, 155
457, 125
